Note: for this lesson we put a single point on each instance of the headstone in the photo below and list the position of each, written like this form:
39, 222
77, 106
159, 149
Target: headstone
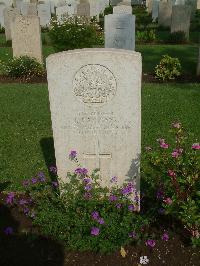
96, 110
27, 37
114, 2
198, 4
155, 8
44, 13
52, 7
2, 7
28, 9
9, 16
165, 13
120, 31
18, 4
83, 9
181, 19
179, 2
122, 10
62, 12
149, 4
193, 5
8, 3
124, 3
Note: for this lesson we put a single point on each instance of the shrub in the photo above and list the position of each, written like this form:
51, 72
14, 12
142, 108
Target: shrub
87, 216
73, 33
2, 29
23, 67
169, 68
177, 37
175, 178
146, 36
108, 10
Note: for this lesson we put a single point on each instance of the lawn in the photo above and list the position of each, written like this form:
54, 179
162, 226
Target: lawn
26, 136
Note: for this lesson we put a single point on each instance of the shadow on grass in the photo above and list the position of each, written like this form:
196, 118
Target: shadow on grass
22, 247
47, 146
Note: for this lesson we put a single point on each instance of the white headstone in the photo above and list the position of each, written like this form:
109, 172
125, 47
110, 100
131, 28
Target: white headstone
155, 8
122, 9
96, 110
181, 19
2, 7
120, 31
9, 16
83, 9
29, 9
26, 37
165, 13
44, 13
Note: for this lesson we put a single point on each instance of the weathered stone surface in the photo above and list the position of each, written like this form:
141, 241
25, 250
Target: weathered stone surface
181, 19
119, 31
165, 13
83, 9
198, 4
29, 9
2, 7
155, 8
27, 37
124, 3
44, 13
114, 2
9, 16
96, 110
149, 4
122, 9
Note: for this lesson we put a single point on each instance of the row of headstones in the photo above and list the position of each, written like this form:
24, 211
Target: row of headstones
26, 32
45, 9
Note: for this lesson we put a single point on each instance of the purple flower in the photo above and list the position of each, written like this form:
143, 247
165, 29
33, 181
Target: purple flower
81, 171
113, 179
26, 211
131, 208
10, 198
101, 221
113, 198
41, 176
23, 202
129, 188
132, 234
87, 180
34, 180
95, 231
26, 182
72, 155
53, 169
88, 187
118, 205
8, 230
177, 152
160, 193
151, 243
161, 211
95, 215
54, 184
88, 195
165, 237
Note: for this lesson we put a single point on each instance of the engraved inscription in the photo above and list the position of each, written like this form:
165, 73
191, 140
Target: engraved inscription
94, 84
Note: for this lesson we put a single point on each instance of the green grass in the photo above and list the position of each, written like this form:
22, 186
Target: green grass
151, 55
187, 54
26, 135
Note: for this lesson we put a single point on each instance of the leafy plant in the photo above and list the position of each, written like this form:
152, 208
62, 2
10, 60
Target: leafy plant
23, 67
177, 37
175, 179
73, 33
146, 36
169, 68
87, 216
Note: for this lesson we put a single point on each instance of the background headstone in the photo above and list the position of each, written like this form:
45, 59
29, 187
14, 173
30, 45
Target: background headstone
149, 4
44, 13
164, 14
2, 7
26, 37
103, 122
29, 9
9, 16
120, 31
115, 2
155, 8
83, 9
181, 19
122, 9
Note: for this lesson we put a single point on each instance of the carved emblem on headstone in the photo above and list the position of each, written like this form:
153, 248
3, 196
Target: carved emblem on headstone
94, 84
